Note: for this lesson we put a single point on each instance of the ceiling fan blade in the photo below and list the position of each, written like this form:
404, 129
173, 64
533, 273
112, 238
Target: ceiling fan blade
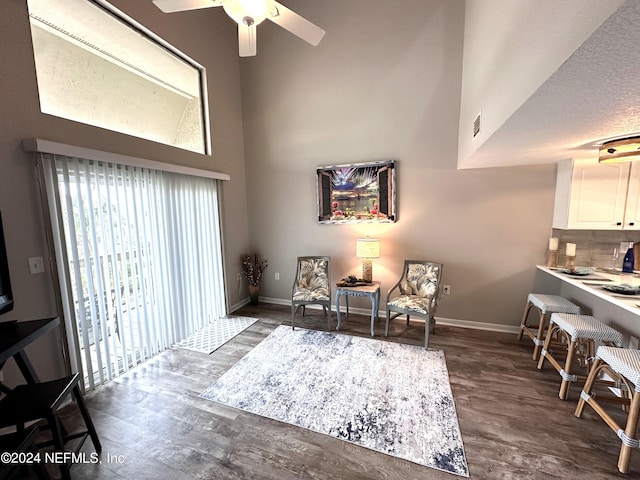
247, 40
299, 26
171, 6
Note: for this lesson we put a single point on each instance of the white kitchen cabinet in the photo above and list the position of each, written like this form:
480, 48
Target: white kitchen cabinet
632, 212
596, 196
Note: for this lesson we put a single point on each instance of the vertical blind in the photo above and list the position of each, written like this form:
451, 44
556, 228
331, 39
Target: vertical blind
139, 259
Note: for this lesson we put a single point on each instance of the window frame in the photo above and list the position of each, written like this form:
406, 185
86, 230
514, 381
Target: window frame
136, 27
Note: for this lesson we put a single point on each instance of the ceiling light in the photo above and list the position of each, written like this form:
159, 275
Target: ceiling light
246, 12
621, 150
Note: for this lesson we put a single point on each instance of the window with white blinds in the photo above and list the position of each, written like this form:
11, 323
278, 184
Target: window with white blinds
139, 260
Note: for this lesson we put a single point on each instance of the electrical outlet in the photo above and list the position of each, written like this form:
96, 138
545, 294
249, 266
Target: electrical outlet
633, 343
446, 289
277, 276
36, 265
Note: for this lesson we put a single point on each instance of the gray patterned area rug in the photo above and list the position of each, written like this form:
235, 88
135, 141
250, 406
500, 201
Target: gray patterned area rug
388, 397
216, 334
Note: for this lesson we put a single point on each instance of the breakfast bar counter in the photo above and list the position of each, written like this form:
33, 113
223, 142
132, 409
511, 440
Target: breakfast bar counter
618, 310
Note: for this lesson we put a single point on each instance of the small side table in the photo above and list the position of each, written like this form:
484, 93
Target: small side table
372, 291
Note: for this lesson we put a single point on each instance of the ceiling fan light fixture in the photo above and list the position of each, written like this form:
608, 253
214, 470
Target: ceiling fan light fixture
625, 149
247, 12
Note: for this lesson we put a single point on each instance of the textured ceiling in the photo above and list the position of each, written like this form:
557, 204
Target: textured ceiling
594, 96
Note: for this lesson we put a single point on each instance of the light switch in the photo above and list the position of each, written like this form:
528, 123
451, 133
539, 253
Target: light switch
36, 265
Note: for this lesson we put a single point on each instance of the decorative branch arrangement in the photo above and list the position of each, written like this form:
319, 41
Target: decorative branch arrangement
252, 269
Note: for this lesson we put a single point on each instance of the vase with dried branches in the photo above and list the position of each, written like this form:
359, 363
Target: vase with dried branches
252, 269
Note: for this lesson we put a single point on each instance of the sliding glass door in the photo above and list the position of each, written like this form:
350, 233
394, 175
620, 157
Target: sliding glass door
139, 257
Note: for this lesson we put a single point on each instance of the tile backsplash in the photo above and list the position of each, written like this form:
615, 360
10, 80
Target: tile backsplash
594, 248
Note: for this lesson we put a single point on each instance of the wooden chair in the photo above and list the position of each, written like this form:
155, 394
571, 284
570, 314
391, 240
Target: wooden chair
419, 292
622, 364
312, 286
40, 401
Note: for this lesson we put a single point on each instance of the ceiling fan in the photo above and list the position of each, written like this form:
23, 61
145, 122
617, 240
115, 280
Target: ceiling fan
248, 14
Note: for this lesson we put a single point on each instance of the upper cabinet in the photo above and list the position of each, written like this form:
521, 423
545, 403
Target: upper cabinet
596, 196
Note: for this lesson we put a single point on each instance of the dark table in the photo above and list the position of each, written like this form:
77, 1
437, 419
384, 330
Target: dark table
15, 336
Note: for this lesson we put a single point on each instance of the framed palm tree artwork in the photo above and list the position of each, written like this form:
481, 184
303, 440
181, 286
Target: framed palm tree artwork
357, 193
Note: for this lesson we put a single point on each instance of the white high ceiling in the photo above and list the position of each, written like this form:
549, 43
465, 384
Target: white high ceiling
594, 96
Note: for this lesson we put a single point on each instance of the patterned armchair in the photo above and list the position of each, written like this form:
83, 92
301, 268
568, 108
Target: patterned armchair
418, 293
312, 286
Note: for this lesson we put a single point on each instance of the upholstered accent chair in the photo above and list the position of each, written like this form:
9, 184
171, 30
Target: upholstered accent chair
312, 286
417, 293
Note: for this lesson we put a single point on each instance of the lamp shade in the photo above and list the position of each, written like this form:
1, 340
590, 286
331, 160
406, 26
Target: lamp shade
367, 248
620, 150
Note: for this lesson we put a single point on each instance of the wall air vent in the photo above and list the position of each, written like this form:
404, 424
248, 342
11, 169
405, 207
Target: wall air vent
476, 125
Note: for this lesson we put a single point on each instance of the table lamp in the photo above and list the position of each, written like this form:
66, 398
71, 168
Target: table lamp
367, 248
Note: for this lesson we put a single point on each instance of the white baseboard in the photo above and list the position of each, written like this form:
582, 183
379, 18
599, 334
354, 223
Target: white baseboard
489, 327
239, 305
281, 301
451, 322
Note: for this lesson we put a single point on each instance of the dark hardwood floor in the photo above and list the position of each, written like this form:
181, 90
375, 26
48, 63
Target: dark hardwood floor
153, 425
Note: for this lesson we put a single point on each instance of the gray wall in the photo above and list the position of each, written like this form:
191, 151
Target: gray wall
385, 84
214, 46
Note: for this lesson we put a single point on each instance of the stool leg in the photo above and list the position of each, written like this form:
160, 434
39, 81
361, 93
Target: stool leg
523, 322
39, 469
591, 353
58, 443
547, 344
568, 364
630, 431
588, 385
87, 418
540, 337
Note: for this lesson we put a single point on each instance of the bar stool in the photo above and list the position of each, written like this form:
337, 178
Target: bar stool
579, 332
36, 401
622, 364
546, 304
